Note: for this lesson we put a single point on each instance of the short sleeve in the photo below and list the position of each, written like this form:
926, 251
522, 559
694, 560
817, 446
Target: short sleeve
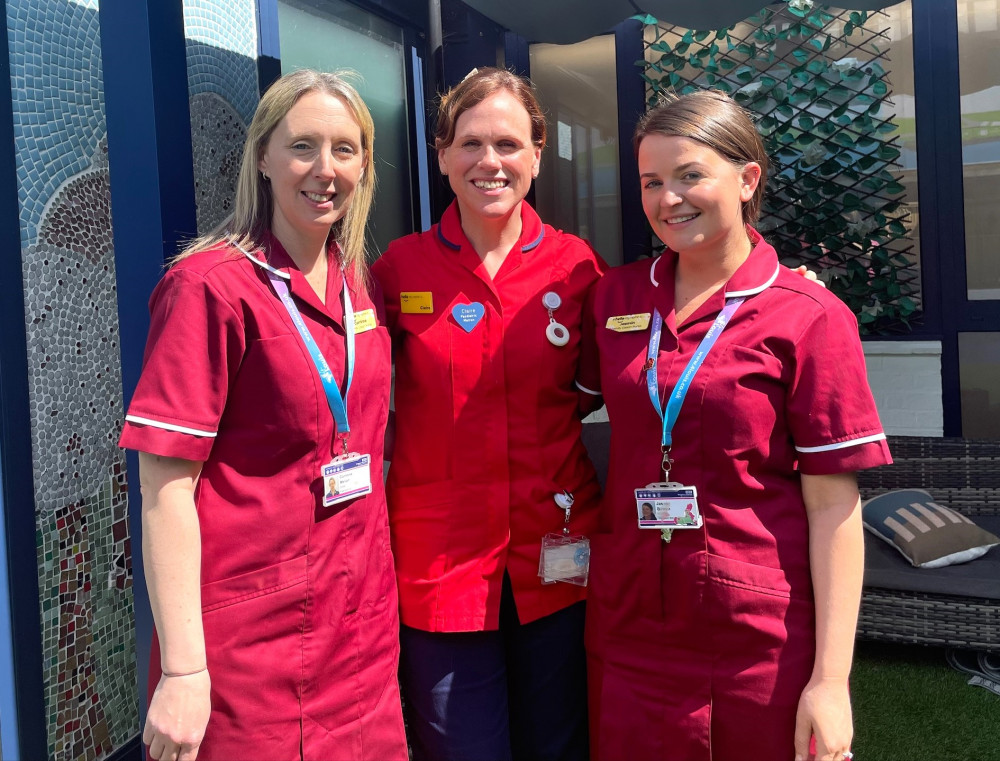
195, 346
832, 416
588, 376
384, 275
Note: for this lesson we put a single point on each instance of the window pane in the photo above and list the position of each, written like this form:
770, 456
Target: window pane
979, 362
577, 189
979, 71
328, 35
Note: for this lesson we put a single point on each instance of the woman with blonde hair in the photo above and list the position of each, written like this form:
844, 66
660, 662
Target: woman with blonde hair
266, 374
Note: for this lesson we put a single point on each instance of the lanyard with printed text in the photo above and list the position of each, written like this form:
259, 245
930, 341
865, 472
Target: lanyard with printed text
333, 397
676, 398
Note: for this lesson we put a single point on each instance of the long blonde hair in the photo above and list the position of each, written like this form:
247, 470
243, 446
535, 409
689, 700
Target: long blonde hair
250, 221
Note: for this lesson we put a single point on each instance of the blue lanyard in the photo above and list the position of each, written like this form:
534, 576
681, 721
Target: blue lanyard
333, 397
676, 399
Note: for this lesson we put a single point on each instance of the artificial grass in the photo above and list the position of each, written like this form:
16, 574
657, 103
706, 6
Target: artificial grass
910, 704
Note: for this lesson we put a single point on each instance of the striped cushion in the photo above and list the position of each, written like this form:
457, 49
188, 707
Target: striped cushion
927, 534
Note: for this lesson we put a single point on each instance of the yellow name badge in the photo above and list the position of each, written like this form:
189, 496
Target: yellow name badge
416, 302
628, 323
365, 321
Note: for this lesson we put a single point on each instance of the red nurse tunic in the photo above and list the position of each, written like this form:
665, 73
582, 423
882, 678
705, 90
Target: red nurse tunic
700, 648
487, 429
298, 600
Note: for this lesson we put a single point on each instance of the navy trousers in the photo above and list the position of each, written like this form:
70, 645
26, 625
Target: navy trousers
517, 693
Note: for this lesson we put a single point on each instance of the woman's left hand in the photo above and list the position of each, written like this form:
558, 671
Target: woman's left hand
824, 713
808, 274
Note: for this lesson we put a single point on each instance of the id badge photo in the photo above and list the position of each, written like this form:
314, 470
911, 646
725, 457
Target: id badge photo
346, 477
667, 505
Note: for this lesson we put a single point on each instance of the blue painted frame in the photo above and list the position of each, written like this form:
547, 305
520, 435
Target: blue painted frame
152, 202
939, 183
268, 44
22, 697
629, 48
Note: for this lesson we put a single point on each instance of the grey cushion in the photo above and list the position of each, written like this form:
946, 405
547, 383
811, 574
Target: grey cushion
886, 568
927, 534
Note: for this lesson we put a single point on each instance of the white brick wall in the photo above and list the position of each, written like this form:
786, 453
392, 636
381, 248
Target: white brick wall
905, 377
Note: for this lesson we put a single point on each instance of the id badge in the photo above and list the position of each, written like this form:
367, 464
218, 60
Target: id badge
565, 557
346, 477
667, 506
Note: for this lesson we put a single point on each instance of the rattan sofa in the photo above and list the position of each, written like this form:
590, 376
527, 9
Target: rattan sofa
958, 606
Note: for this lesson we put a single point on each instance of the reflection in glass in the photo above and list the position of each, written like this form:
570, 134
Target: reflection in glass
979, 362
329, 35
979, 73
577, 189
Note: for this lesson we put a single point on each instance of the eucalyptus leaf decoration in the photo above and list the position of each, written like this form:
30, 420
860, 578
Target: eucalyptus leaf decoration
815, 77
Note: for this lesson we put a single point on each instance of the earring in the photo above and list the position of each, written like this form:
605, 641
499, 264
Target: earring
264, 175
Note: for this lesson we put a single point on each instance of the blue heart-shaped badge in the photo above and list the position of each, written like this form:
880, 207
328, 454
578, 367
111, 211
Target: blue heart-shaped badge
468, 315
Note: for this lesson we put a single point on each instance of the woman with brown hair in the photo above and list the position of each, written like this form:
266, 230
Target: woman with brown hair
486, 311
743, 398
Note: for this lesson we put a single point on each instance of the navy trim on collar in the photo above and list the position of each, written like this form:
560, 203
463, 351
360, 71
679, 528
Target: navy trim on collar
448, 243
536, 241
529, 218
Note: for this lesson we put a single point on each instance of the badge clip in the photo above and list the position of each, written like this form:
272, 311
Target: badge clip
564, 557
557, 333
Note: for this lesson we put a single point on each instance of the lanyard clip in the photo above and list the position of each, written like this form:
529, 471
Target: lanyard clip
667, 462
564, 501
343, 443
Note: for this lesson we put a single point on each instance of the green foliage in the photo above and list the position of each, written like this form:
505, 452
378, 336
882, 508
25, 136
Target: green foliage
815, 80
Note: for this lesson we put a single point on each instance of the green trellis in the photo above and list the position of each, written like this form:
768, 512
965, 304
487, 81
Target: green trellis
816, 79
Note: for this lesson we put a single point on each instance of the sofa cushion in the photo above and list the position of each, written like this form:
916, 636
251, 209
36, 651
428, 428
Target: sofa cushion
885, 568
927, 534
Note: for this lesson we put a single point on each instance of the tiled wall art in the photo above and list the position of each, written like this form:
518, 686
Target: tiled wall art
223, 91
75, 387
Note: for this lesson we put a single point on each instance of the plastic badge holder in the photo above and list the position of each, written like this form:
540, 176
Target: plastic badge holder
564, 557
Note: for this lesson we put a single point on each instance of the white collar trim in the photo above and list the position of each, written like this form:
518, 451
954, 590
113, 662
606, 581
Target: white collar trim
729, 294
758, 289
262, 263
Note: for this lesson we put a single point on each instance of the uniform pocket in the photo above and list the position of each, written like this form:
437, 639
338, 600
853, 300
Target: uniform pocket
748, 576
246, 586
420, 522
759, 625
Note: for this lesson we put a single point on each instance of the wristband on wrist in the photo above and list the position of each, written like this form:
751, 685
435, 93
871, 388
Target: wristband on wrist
184, 673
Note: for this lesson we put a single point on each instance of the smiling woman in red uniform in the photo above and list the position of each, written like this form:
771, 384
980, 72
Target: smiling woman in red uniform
485, 312
751, 617
274, 602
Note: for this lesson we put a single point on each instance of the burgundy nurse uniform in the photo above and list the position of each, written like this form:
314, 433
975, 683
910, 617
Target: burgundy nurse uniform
699, 648
299, 601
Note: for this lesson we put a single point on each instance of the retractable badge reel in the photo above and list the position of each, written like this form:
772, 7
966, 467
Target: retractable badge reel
557, 333
565, 556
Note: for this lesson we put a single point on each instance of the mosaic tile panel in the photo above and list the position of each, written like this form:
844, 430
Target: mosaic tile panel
222, 51
223, 91
55, 69
217, 137
83, 544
